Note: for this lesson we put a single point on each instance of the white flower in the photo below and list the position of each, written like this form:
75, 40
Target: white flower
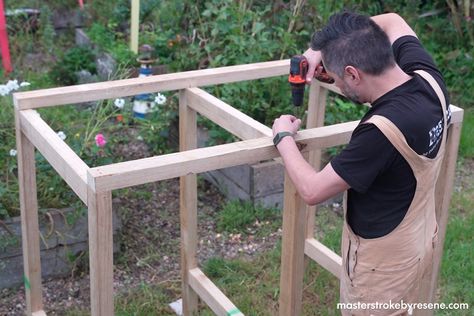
25, 84
61, 135
13, 152
12, 85
4, 90
160, 99
119, 103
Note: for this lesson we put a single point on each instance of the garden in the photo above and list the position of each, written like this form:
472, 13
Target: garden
60, 43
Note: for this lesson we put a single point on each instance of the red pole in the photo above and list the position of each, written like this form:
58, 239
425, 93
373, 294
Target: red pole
4, 41
81, 4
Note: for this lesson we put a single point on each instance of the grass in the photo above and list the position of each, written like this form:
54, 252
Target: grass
143, 301
457, 270
261, 277
237, 217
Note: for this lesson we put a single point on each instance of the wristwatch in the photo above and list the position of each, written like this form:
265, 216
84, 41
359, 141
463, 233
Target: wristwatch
279, 136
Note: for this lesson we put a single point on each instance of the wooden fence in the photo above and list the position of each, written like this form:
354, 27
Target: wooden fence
94, 185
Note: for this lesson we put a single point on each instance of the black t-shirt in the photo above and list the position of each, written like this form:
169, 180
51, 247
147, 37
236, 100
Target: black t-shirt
382, 183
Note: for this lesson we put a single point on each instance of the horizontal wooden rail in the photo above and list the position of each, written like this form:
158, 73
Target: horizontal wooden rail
224, 115
63, 159
327, 258
150, 84
131, 173
39, 313
209, 293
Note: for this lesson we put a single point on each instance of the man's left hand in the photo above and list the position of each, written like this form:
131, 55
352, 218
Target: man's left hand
286, 123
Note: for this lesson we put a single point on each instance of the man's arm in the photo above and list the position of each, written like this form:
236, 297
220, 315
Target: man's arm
393, 25
314, 187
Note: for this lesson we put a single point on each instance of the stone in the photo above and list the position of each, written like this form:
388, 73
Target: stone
106, 66
84, 76
81, 38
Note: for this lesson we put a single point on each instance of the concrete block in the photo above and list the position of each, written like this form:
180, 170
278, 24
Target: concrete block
260, 183
268, 178
62, 241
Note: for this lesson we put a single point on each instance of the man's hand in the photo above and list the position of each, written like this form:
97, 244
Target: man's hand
314, 59
286, 123
314, 187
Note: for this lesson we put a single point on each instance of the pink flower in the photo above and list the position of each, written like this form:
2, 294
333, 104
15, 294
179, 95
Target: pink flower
100, 140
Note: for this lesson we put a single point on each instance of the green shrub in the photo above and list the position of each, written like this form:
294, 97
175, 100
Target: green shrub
75, 59
111, 42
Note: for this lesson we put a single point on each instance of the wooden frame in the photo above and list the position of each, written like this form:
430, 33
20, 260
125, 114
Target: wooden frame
94, 185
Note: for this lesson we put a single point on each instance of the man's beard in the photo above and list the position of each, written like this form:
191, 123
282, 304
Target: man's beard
351, 94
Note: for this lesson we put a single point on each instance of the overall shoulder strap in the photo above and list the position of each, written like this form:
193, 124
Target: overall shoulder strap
396, 137
437, 89
434, 84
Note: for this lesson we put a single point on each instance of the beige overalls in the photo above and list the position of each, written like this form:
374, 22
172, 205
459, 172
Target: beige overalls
390, 268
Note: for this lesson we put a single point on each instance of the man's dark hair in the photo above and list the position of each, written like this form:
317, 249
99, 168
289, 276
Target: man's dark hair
356, 40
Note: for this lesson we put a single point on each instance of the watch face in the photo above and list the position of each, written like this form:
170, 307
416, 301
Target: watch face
278, 137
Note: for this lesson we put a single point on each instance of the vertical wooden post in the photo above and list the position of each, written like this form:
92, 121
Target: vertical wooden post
188, 206
100, 250
29, 220
316, 111
134, 23
444, 189
292, 251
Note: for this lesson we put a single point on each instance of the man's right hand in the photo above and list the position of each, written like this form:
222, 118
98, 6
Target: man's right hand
314, 59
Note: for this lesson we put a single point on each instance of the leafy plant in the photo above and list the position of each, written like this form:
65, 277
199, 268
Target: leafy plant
111, 42
155, 130
75, 59
340, 110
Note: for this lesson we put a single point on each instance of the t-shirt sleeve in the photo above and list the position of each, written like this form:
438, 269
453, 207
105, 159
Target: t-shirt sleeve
367, 155
410, 55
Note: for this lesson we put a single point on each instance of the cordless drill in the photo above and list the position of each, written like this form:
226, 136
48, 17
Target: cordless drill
297, 77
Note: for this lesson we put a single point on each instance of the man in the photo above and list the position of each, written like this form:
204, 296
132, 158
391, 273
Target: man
391, 163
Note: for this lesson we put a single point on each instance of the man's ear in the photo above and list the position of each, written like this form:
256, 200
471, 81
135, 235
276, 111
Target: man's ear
352, 74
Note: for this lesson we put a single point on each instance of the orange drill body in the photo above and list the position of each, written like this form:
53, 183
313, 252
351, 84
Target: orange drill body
297, 77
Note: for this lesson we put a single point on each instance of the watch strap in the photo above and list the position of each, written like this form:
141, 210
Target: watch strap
279, 136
